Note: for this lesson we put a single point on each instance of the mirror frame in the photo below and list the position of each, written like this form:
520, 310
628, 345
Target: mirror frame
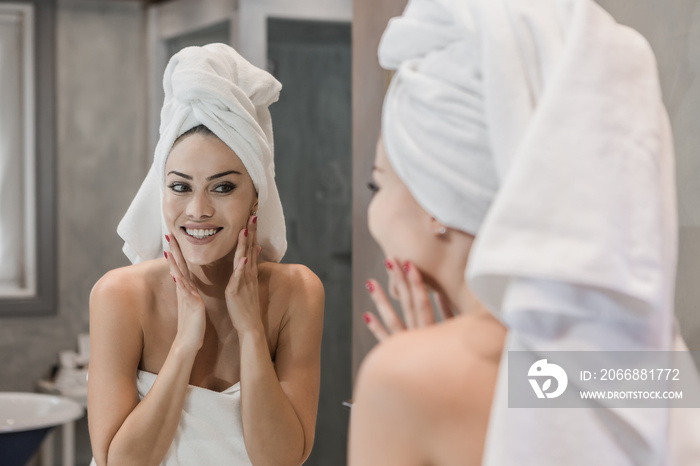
43, 302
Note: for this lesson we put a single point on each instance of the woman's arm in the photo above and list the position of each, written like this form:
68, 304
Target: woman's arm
278, 400
122, 429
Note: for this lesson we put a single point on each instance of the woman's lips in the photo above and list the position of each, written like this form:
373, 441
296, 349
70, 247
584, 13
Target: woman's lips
200, 235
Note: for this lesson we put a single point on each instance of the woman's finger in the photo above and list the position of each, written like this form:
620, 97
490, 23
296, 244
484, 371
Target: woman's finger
376, 327
177, 257
422, 306
405, 298
182, 283
390, 264
241, 246
253, 246
237, 275
391, 319
444, 306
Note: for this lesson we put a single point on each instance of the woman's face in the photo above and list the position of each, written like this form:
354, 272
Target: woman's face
208, 198
400, 226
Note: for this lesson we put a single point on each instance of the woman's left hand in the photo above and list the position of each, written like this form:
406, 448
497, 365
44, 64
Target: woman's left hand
242, 299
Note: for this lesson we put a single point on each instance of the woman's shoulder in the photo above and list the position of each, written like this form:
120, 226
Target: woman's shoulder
440, 364
295, 283
129, 284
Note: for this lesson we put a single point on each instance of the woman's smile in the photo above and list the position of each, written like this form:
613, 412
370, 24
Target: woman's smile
200, 234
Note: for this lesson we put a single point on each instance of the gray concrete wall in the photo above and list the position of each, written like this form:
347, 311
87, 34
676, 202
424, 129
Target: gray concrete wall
101, 161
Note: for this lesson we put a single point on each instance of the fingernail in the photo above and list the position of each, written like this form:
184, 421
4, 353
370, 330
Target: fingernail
165, 253
245, 261
255, 219
174, 278
366, 317
245, 233
167, 238
370, 286
406, 266
388, 264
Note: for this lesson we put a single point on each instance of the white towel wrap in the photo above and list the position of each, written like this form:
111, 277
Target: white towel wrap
216, 87
540, 126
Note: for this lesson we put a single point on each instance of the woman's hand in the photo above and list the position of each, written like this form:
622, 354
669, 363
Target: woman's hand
406, 285
242, 299
191, 315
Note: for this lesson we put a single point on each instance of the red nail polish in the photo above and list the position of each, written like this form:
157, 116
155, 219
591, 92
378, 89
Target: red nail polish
245, 261
167, 238
174, 278
388, 264
406, 267
245, 233
255, 219
370, 286
165, 253
366, 317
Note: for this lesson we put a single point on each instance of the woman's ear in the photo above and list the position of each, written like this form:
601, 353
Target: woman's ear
254, 208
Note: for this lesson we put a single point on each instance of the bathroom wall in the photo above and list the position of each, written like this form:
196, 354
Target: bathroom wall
369, 83
100, 152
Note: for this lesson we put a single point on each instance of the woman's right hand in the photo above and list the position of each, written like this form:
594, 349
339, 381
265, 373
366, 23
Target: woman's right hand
191, 314
405, 284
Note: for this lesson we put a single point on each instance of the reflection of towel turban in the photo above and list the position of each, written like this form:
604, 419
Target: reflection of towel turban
539, 126
216, 87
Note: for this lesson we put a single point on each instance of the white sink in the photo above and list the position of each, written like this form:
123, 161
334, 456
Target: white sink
29, 411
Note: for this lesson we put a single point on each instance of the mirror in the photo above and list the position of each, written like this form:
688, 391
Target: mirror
27, 267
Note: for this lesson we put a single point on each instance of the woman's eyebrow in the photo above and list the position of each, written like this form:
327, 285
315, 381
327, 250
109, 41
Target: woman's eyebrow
219, 175
209, 178
173, 172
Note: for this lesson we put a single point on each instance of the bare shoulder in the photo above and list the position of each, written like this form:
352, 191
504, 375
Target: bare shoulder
127, 287
441, 376
296, 284
438, 365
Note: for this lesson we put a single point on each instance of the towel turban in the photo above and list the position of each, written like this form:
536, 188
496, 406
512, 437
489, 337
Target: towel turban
212, 86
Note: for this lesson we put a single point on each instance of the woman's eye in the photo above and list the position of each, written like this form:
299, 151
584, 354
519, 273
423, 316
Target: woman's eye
373, 187
179, 187
224, 188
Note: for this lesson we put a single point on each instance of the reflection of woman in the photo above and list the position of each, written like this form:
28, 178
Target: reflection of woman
537, 130
209, 355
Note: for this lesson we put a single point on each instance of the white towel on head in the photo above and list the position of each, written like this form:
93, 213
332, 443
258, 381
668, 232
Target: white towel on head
579, 233
434, 112
216, 87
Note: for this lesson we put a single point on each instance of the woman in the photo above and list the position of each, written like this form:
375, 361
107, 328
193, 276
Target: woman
209, 354
535, 129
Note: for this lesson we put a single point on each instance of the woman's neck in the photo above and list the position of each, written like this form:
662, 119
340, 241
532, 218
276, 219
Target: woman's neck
212, 279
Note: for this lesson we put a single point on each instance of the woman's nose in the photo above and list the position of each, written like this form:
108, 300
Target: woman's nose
199, 206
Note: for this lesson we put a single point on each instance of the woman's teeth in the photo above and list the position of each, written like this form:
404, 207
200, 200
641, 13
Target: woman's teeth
201, 234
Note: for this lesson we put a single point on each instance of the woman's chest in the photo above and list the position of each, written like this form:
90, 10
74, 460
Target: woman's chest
218, 362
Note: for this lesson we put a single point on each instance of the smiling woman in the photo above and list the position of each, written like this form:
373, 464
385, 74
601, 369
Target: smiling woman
196, 192
216, 340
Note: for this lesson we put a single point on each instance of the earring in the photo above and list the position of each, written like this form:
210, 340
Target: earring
442, 231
